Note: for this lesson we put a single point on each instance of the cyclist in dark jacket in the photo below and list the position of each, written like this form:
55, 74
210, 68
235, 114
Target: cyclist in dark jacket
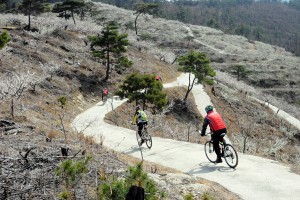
217, 127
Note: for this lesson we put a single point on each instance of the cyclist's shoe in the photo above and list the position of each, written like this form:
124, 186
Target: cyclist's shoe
141, 142
219, 160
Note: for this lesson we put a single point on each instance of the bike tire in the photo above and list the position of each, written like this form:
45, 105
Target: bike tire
148, 139
231, 156
211, 155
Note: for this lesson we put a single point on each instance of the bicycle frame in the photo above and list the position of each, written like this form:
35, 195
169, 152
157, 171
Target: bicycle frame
144, 136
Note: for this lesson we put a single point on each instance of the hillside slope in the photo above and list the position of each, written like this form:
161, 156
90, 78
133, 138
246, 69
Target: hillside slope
253, 128
60, 63
271, 68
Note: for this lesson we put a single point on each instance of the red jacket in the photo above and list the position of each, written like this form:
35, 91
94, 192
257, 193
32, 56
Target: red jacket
105, 91
215, 122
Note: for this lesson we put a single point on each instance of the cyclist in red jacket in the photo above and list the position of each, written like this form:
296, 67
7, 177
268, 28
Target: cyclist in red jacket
104, 93
217, 127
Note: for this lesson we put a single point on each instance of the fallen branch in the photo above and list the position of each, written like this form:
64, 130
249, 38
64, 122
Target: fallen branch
26, 154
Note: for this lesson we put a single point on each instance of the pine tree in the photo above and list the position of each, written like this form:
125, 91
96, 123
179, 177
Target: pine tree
240, 71
142, 8
68, 8
32, 7
143, 87
197, 64
109, 47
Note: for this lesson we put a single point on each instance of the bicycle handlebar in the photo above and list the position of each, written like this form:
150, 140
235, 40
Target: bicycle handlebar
208, 133
131, 122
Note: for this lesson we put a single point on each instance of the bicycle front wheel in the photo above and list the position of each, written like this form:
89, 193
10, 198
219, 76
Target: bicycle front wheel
230, 156
210, 151
148, 139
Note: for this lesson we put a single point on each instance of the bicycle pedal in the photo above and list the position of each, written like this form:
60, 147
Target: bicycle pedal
230, 155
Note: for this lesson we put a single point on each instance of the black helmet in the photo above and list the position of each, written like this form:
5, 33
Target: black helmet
137, 107
208, 108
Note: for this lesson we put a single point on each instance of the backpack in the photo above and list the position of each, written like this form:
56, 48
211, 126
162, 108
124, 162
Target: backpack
143, 115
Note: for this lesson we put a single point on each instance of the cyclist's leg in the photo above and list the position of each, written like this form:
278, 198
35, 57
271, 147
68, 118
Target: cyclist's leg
222, 135
145, 125
223, 138
216, 140
140, 128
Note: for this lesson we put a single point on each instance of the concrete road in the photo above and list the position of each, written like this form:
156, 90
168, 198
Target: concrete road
254, 178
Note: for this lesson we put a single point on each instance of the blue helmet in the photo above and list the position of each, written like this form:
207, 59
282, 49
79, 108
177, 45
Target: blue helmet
208, 108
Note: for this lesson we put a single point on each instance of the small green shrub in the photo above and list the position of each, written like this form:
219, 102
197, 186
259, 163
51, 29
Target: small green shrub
189, 196
64, 195
207, 196
71, 172
62, 101
4, 38
117, 189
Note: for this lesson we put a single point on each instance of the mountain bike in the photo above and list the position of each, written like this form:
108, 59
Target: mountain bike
145, 136
227, 151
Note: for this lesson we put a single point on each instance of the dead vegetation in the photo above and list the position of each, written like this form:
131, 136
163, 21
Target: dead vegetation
31, 148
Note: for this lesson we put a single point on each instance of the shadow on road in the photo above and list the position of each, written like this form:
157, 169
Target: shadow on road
135, 148
208, 167
101, 103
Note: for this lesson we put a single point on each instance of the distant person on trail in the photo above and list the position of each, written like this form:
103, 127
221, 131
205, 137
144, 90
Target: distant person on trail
158, 78
217, 127
104, 93
141, 120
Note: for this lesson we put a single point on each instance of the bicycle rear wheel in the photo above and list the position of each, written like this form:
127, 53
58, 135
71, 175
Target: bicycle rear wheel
148, 139
210, 151
230, 156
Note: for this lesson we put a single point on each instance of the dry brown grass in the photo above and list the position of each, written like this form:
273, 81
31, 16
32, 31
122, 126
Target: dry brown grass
90, 140
145, 63
87, 139
148, 166
52, 134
